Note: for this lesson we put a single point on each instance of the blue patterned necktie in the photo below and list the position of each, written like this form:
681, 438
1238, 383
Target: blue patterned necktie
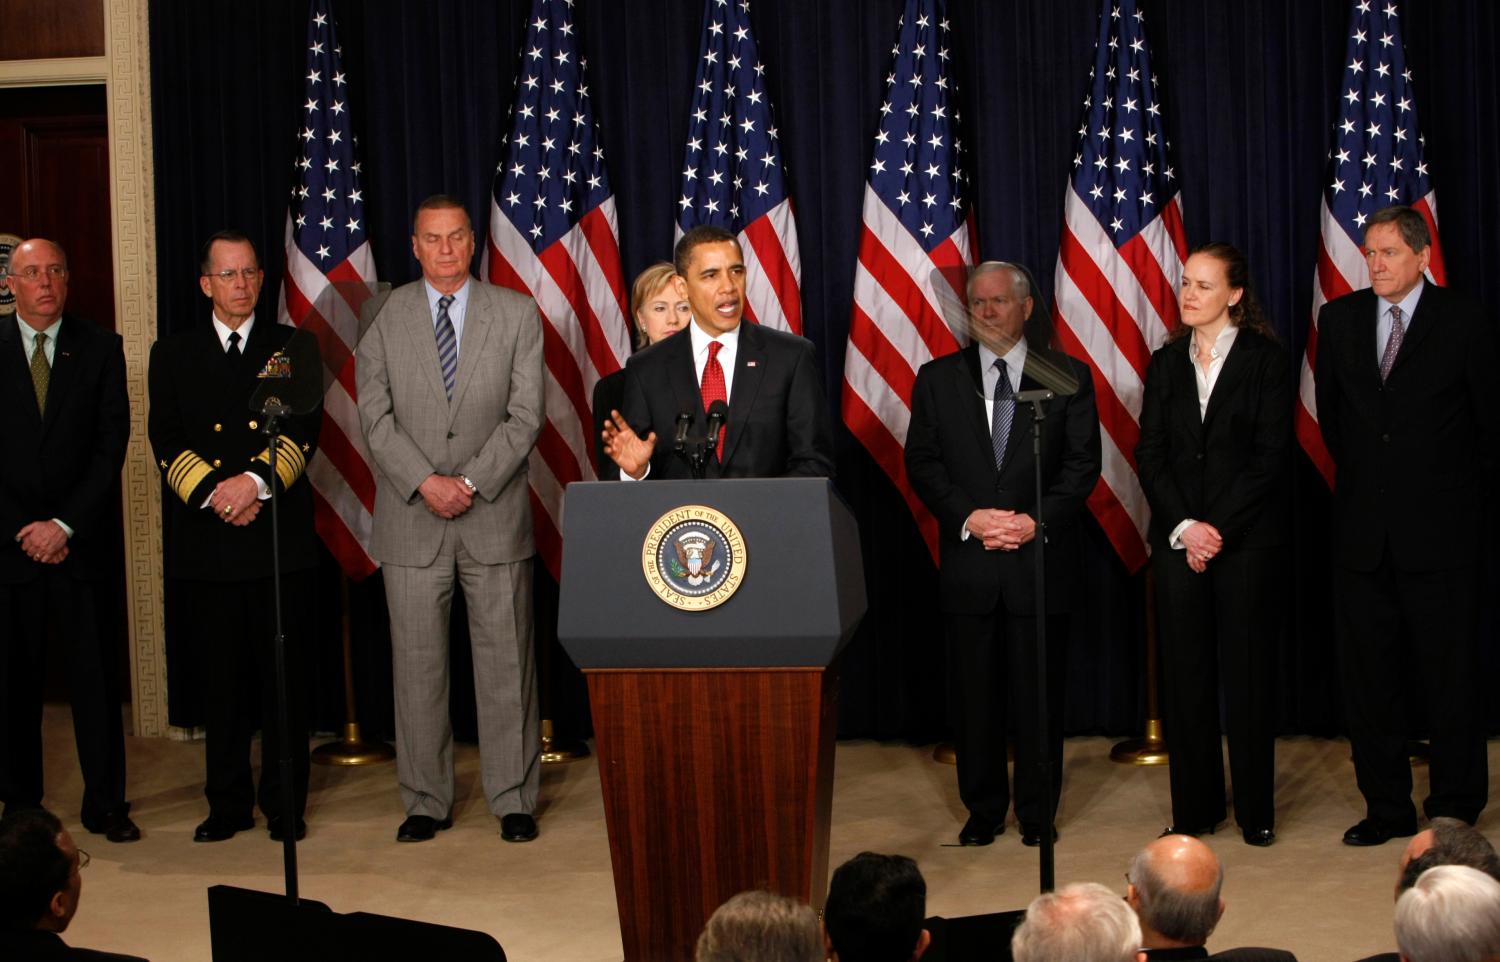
1392, 344
447, 345
1004, 413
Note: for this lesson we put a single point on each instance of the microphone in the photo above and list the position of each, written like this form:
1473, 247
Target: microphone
1033, 396
684, 422
718, 413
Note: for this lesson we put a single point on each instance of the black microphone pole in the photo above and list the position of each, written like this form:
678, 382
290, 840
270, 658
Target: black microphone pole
1037, 400
274, 411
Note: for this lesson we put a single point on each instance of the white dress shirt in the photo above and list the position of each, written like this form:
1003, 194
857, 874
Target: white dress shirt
262, 492
1206, 379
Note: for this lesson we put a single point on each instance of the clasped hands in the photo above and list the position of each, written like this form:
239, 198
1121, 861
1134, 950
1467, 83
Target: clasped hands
626, 448
43, 542
236, 501
446, 495
1202, 542
1000, 530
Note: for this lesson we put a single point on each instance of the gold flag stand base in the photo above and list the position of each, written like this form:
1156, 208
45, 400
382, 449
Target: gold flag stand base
353, 750
556, 751
1150, 750
945, 754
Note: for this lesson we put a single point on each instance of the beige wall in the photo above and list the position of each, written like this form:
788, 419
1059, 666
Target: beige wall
125, 72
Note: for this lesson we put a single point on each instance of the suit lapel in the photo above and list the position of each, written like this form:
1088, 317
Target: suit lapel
65, 361
1364, 337
1423, 320
13, 359
422, 338
1230, 375
477, 324
970, 388
683, 377
749, 371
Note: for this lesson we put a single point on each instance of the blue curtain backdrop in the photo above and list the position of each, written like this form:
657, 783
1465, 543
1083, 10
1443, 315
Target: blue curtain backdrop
1248, 91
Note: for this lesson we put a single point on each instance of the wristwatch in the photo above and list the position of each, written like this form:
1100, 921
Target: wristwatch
468, 484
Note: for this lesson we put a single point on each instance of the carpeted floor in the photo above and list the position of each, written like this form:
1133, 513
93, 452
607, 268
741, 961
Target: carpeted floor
553, 899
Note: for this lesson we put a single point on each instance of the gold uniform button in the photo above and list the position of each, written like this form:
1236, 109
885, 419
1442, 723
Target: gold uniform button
218, 427
254, 425
217, 462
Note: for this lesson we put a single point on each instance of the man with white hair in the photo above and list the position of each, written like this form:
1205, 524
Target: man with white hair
1452, 914
1082, 922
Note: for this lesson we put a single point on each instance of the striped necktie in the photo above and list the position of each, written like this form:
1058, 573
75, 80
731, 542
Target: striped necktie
1392, 343
1004, 413
447, 345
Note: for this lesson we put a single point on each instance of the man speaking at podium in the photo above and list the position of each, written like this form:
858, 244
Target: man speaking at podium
777, 418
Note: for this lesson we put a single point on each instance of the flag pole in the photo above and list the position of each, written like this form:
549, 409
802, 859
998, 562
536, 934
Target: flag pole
351, 749
1150, 748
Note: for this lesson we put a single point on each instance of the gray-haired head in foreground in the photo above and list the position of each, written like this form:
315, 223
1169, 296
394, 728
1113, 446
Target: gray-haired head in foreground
761, 927
1083, 922
1166, 905
1452, 914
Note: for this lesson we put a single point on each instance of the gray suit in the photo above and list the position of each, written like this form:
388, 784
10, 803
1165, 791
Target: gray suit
485, 433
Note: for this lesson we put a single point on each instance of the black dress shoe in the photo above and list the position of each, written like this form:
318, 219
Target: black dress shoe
216, 828
276, 826
1259, 837
1032, 837
1369, 832
1187, 830
421, 828
115, 826
517, 827
980, 830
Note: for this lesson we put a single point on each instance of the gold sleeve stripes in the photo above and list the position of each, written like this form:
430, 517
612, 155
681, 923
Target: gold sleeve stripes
185, 473
290, 461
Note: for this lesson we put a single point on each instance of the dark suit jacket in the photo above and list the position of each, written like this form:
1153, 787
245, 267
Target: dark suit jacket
1230, 467
609, 394
1424, 438
1246, 954
34, 946
203, 432
778, 419
951, 464
63, 465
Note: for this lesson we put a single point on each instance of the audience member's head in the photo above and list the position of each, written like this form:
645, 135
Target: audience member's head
1450, 914
1449, 841
1174, 888
1083, 922
39, 872
875, 908
761, 927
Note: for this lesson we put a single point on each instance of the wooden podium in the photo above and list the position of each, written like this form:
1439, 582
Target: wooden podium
714, 727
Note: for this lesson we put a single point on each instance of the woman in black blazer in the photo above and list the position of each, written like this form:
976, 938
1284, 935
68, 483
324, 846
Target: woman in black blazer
1212, 458
659, 311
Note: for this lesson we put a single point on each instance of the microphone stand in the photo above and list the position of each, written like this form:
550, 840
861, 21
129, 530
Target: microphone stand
1038, 400
273, 411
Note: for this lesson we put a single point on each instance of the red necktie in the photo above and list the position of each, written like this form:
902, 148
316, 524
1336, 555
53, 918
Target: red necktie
712, 387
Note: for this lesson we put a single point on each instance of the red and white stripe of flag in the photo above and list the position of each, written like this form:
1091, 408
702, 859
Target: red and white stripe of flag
1112, 308
328, 305
1341, 266
578, 285
903, 300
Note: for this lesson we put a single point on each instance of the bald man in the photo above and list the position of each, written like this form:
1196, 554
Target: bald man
64, 421
1175, 885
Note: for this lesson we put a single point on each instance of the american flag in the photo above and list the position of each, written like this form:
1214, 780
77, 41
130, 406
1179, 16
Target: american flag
916, 242
1121, 255
553, 236
1376, 161
732, 175
329, 275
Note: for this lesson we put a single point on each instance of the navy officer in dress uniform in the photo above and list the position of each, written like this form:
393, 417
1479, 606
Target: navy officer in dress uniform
215, 461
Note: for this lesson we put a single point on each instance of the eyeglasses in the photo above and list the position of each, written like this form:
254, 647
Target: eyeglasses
83, 859
32, 274
248, 273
